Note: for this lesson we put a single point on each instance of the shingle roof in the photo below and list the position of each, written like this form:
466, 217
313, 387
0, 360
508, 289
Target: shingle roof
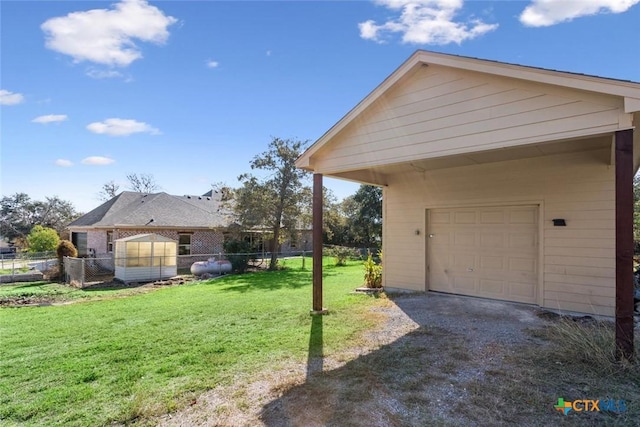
132, 209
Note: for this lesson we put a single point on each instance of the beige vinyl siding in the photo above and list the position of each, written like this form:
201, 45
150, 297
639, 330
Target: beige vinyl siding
440, 112
577, 261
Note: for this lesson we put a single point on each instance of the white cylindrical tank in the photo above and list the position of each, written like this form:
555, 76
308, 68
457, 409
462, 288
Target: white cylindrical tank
211, 266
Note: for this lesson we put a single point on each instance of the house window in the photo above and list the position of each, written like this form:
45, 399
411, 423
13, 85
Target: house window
79, 240
184, 244
109, 242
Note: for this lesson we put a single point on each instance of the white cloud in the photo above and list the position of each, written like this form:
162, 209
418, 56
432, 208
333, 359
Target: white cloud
425, 22
106, 36
212, 64
97, 160
543, 13
95, 73
10, 98
64, 163
50, 118
121, 127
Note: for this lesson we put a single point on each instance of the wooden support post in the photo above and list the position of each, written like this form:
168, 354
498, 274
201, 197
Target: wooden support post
624, 244
317, 245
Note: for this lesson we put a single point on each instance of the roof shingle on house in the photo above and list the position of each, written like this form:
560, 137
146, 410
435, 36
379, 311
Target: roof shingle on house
131, 209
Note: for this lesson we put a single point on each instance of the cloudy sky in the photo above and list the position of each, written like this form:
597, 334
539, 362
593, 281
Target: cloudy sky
190, 91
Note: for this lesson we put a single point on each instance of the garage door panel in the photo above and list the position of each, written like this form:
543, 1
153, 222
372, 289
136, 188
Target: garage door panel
494, 287
464, 217
465, 239
462, 284
489, 252
526, 265
443, 217
492, 240
492, 216
523, 241
523, 216
522, 292
491, 262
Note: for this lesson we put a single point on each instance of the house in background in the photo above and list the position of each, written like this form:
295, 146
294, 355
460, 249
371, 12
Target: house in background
198, 223
499, 180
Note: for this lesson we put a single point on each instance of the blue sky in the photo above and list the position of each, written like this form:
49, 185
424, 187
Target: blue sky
190, 91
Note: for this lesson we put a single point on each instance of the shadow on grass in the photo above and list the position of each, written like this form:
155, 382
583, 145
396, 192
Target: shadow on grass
315, 358
271, 280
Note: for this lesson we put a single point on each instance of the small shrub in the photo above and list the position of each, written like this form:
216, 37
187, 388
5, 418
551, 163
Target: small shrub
65, 249
238, 252
341, 254
372, 273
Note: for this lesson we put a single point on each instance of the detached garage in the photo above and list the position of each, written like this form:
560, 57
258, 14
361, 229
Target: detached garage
499, 180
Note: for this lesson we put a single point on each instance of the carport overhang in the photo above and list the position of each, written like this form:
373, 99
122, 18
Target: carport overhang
618, 138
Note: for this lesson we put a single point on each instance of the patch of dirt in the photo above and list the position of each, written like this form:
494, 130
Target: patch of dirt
427, 354
62, 299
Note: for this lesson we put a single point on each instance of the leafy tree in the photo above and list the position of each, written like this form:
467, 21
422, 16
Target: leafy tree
276, 201
42, 239
335, 227
109, 191
19, 214
143, 183
364, 212
239, 253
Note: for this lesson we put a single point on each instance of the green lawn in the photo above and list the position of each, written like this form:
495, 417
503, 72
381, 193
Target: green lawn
95, 362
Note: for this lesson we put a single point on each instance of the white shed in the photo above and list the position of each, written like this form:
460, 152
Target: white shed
145, 257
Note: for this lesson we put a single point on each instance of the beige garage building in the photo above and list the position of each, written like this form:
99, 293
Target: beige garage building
499, 180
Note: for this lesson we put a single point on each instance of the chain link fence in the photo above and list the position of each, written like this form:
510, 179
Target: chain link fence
83, 272
27, 266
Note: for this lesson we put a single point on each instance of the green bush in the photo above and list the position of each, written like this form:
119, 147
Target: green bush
42, 239
341, 254
239, 253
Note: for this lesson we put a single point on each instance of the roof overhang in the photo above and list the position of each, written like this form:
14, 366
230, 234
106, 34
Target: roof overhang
627, 90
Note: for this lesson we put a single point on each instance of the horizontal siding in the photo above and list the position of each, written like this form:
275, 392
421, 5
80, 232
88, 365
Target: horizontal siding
578, 261
141, 274
437, 115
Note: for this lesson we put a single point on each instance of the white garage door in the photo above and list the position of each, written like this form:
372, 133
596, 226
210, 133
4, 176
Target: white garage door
489, 252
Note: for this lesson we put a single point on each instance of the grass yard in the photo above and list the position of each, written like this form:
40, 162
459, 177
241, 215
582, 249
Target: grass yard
126, 359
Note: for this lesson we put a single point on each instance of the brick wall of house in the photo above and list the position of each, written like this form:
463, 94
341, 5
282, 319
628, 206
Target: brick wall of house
202, 241
97, 240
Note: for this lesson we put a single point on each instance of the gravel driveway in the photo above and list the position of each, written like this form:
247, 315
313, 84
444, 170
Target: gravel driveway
427, 349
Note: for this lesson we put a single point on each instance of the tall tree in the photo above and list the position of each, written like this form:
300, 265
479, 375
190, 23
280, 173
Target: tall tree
364, 211
143, 183
19, 214
277, 201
